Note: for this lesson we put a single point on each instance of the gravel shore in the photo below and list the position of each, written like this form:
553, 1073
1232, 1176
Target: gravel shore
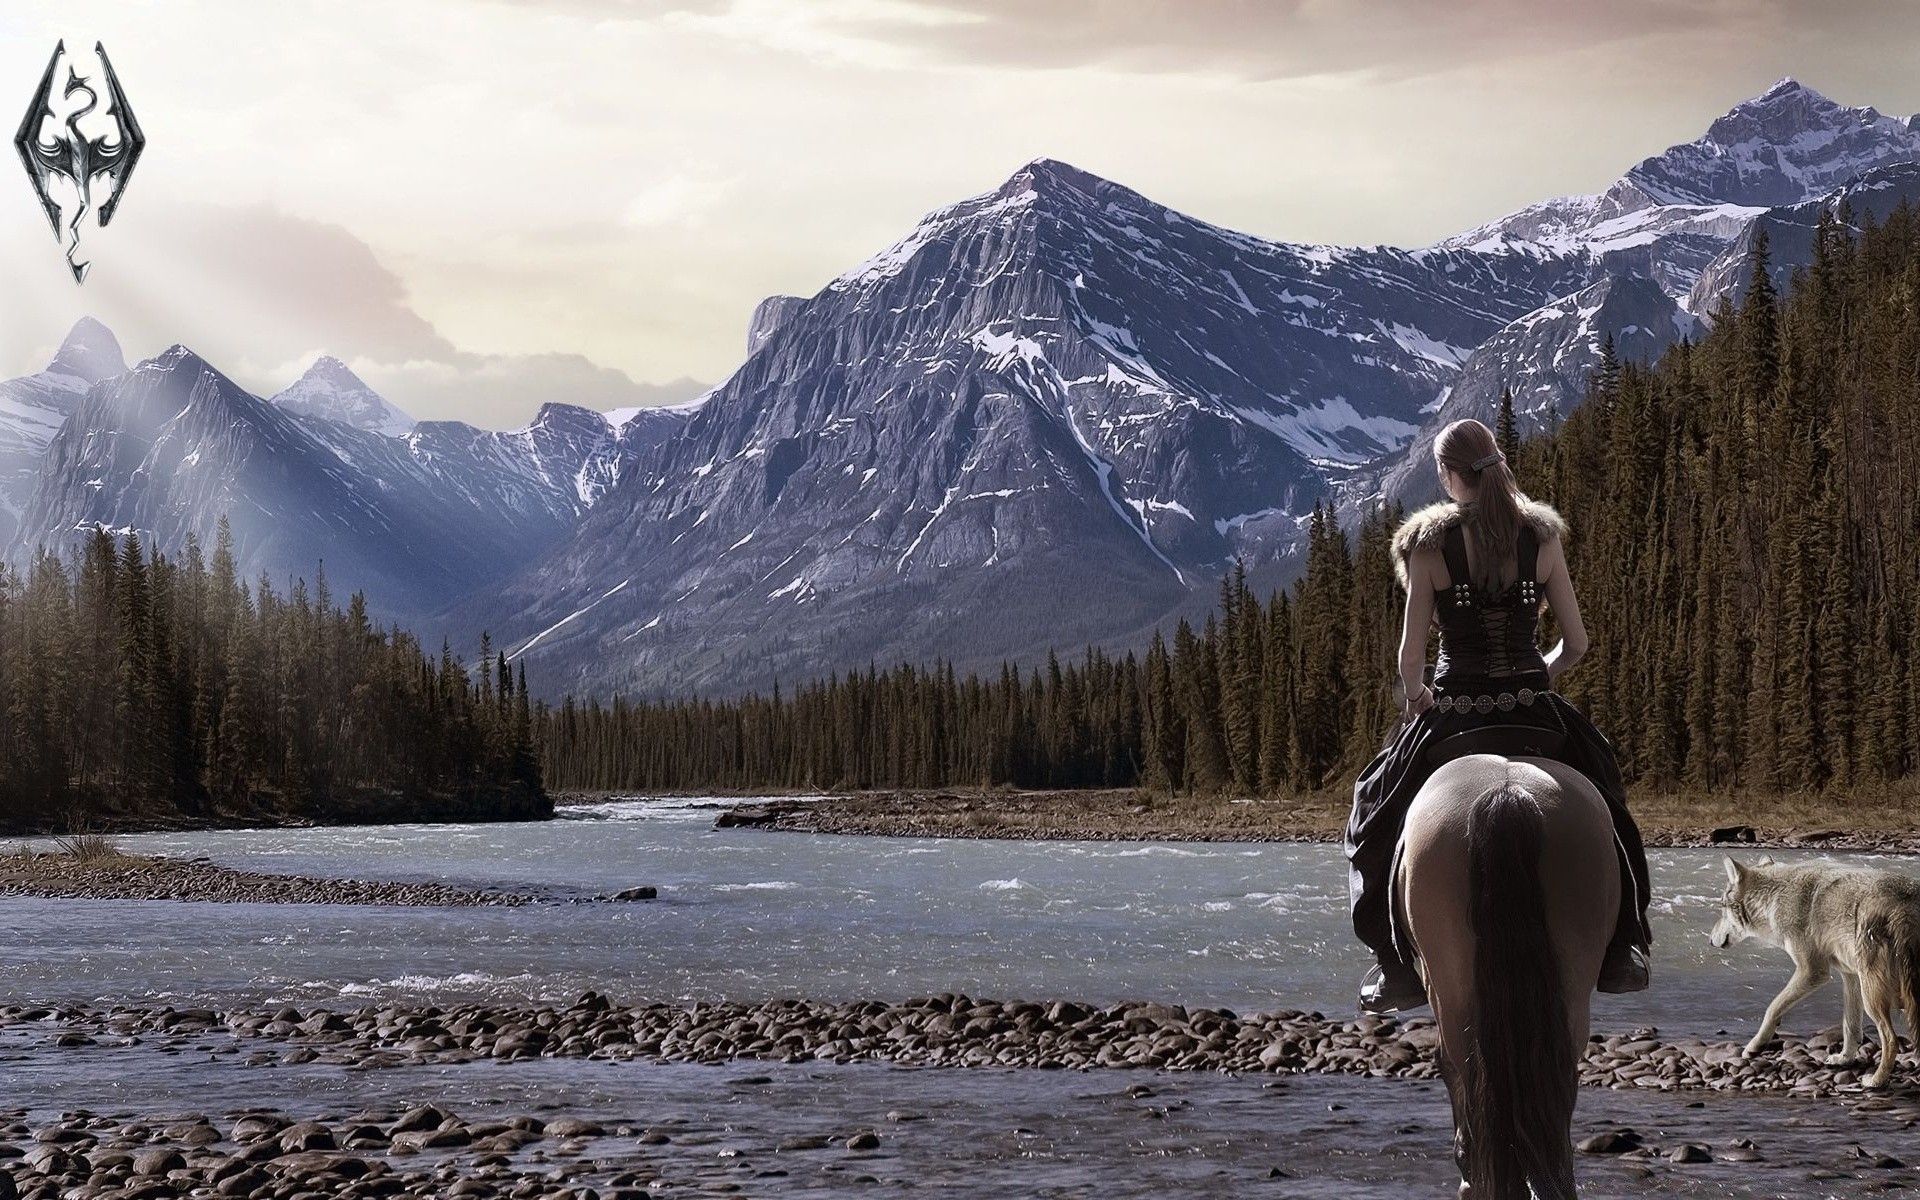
944, 1030
805, 1095
138, 877
808, 1131
1126, 816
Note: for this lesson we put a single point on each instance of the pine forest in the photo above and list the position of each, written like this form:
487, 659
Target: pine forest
140, 689
1744, 531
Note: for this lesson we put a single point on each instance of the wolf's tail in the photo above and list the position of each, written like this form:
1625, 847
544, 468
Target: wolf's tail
1892, 938
1518, 1083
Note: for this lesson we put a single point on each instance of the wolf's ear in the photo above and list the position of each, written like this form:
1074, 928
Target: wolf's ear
1766, 860
1734, 870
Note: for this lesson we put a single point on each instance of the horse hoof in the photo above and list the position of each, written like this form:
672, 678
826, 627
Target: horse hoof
1842, 1060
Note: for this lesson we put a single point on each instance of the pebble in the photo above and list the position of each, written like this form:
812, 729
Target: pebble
136, 877
1110, 815
943, 1030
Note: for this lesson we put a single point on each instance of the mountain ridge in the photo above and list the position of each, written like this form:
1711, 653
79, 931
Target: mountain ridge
1049, 414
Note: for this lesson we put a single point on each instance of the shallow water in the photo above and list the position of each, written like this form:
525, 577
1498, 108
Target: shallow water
746, 914
989, 1132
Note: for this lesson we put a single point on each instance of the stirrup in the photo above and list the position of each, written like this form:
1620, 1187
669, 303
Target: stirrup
1380, 995
1624, 969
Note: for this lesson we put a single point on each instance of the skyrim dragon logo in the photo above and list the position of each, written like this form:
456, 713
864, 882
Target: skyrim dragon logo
69, 153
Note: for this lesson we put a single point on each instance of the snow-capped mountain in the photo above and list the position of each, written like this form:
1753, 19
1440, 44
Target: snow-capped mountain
33, 407
1665, 243
1055, 411
332, 392
415, 520
1050, 415
1783, 146
1545, 357
1045, 416
1790, 231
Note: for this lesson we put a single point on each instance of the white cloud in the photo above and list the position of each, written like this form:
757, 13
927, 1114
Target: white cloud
624, 180
679, 199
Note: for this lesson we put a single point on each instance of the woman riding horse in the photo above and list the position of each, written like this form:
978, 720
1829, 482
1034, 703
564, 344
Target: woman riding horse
1479, 567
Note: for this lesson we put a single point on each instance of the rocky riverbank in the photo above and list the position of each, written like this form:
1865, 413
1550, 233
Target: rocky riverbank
1134, 816
808, 1131
944, 1030
116, 876
264, 1154
111, 814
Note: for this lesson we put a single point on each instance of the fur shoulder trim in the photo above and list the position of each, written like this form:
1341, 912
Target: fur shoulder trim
1424, 528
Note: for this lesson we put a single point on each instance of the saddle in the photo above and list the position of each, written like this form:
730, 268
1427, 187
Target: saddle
1510, 740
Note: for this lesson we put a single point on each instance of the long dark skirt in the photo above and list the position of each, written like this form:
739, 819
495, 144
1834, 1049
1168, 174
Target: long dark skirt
1386, 787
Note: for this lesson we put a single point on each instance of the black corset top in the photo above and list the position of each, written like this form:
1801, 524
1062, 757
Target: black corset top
1488, 636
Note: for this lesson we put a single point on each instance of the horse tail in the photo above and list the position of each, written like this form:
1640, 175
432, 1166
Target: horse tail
1518, 1089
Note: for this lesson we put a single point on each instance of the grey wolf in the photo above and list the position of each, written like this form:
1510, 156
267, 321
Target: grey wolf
1863, 922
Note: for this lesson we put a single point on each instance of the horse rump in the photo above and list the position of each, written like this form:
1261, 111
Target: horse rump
1517, 1089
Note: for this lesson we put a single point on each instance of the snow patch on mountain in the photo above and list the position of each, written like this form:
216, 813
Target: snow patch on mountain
332, 392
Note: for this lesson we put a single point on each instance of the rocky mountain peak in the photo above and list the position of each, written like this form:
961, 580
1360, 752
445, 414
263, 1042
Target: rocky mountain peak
1052, 179
91, 352
1784, 146
331, 391
570, 418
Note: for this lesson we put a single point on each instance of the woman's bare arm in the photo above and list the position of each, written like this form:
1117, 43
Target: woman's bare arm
1566, 609
1413, 634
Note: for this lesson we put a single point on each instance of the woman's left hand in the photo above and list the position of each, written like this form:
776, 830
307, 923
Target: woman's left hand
1418, 702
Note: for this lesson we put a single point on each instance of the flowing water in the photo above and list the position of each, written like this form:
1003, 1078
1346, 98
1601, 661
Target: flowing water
747, 914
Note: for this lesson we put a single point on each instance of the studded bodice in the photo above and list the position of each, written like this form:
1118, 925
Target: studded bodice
1489, 636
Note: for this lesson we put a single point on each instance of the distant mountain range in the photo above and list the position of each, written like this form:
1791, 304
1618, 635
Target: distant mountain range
33, 408
1050, 415
415, 518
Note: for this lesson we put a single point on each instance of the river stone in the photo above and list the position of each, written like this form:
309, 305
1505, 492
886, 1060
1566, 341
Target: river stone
158, 1160
430, 1139
255, 1126
314, 1162
191, 1133
307, 1135
1617, 1141
244, 1184
424, 1117
805, 1141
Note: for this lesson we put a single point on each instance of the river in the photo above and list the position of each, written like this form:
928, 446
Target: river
746, 914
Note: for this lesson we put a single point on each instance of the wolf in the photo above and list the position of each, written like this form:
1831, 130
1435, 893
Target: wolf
1862, 921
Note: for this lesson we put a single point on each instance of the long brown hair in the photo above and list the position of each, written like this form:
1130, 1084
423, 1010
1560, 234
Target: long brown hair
1493, 517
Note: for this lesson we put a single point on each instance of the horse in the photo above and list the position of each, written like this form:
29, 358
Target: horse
1509, 887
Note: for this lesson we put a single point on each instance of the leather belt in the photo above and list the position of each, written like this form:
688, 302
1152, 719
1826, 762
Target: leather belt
1504, 701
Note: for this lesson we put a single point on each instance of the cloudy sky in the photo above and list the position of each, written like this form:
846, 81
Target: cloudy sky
485, 204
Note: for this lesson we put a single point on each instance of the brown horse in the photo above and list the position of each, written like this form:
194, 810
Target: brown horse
1510, 888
